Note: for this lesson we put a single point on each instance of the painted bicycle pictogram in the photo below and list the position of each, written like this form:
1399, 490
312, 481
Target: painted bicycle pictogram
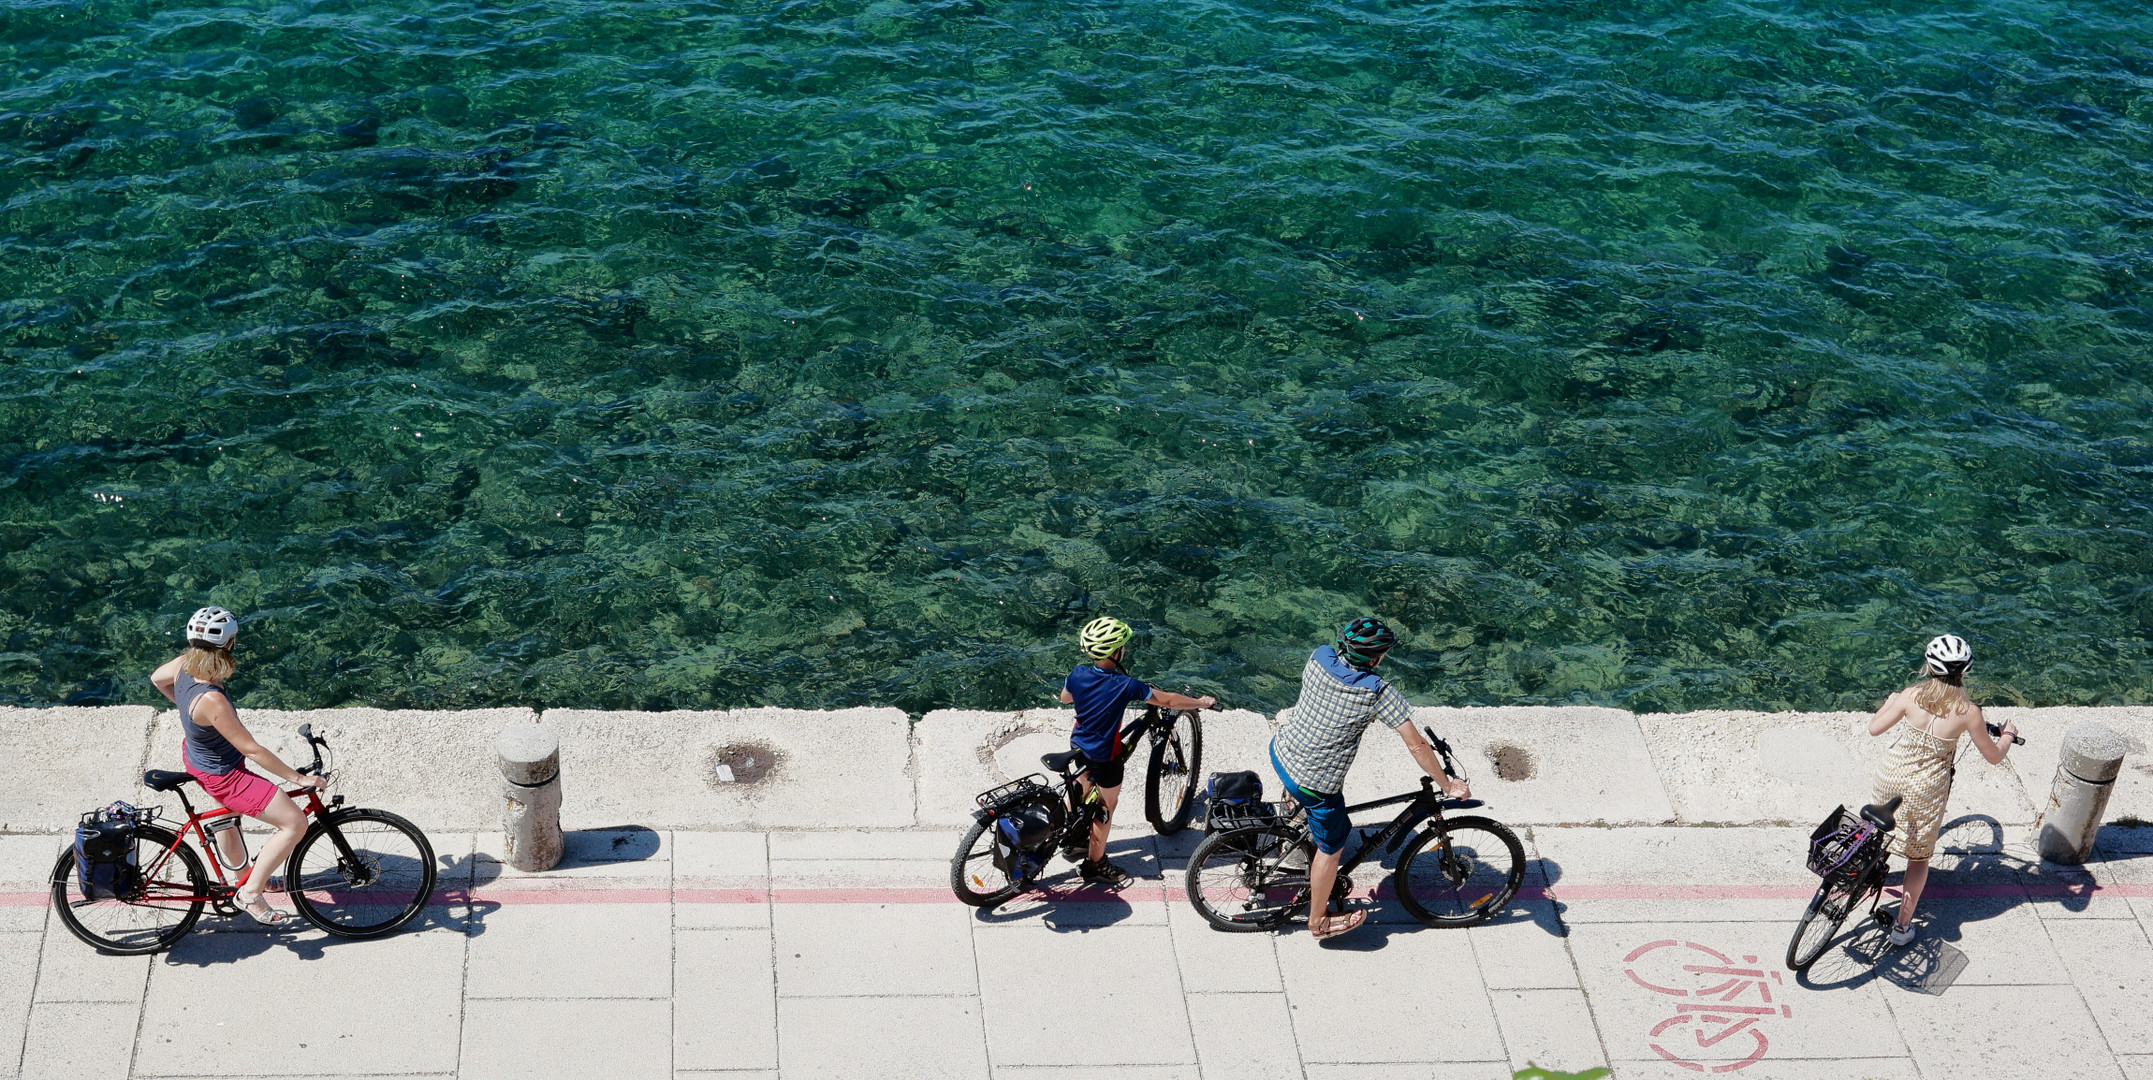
1723, 1001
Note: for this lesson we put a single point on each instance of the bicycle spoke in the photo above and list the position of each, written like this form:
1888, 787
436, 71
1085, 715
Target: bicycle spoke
386, 874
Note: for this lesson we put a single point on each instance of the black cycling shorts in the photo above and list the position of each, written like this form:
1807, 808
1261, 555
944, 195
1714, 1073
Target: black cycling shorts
1105, 774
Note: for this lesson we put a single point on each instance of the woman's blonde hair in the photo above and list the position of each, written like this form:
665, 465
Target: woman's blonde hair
1942, 695
209, 665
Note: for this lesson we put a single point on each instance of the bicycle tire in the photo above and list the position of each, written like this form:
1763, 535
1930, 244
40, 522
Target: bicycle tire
333, 895
1480, 883
1820, 923
963, 874
70, 909
1249, 865
1176, 757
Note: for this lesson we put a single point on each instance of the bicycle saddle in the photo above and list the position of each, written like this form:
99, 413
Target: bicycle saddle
1884, 814
165, 779
1058, 762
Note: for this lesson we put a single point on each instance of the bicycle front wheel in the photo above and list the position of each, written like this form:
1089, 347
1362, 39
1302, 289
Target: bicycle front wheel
1177, 755
1461, 872
1248, 880
1820, 923
361, 873
158, 912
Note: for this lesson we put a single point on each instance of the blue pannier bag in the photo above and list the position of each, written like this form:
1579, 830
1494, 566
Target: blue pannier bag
105, 863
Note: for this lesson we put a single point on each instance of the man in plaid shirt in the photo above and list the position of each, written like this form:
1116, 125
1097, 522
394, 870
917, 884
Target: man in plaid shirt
1340, 694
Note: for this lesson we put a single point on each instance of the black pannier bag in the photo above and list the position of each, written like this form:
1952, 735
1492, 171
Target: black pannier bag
1021, 835
105, 865
1236, 797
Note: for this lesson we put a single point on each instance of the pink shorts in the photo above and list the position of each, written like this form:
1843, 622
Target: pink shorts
239, 790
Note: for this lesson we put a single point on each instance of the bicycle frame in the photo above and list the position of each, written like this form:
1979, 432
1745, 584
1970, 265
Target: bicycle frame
1422, 805
220, 893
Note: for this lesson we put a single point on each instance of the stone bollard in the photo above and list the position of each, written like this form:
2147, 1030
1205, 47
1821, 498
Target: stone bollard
531, 787
2086, 772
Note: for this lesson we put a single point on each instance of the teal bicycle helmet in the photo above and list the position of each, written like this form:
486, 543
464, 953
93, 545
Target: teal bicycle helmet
1364, 641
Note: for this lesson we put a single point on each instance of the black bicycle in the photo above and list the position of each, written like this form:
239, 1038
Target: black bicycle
1019, 825
1850, 876
1251, 873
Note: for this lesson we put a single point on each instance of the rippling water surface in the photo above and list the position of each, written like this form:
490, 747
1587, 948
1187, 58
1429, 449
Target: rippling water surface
1669, 355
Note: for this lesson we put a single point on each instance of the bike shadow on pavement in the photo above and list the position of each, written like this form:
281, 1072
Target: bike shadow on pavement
1387, 917
1064, 903
1974, 879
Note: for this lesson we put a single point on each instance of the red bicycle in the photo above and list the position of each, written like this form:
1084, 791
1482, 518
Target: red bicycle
355, 874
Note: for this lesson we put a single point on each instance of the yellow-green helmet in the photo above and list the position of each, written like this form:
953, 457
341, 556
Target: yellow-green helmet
1104, 636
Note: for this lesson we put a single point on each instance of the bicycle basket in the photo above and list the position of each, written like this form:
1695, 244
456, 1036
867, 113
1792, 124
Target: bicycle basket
1840, 844
105, 863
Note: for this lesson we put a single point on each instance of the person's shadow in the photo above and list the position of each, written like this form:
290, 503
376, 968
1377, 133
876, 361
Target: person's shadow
1983, 881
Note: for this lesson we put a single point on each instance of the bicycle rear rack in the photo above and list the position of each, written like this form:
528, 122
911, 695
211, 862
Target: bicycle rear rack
1226, 817
1022, 789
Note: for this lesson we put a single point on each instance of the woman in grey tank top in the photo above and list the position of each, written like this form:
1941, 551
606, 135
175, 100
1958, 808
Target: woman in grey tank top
217, 747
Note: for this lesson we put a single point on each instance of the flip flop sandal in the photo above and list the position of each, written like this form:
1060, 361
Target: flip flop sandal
1341, 924
259, 910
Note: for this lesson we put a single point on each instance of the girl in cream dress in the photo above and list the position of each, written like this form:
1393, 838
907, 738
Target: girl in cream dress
1930, 717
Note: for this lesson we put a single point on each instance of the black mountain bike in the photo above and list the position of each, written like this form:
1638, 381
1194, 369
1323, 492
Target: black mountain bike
982, 877
1251, 873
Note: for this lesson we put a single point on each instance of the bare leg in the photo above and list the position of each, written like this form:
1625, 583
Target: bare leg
1104, 823
232, 848
291, 824
1322, 876
1917, 877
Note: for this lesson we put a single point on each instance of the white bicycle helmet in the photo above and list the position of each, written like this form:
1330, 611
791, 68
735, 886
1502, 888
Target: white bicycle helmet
1948, 654
213, 627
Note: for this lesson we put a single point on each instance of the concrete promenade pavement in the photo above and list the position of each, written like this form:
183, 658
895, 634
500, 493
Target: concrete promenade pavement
718, 934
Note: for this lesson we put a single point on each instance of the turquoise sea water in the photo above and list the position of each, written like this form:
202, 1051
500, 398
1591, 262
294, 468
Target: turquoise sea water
1668, 355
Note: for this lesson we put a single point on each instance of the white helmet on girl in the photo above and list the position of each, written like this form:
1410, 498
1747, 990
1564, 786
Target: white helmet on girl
1948, 654
212, 627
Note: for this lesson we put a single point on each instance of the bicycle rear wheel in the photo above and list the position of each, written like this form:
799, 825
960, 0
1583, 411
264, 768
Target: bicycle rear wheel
376, 879
173, 891
1820, 922
1248, 880
972, 873
1461, 872
1177, 755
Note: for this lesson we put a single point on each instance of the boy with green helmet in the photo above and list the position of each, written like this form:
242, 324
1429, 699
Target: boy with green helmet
1101, 691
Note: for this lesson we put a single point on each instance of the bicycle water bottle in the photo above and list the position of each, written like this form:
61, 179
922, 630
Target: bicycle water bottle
216, 829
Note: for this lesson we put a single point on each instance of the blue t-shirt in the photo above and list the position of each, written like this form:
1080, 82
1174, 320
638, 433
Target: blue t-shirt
1101, 696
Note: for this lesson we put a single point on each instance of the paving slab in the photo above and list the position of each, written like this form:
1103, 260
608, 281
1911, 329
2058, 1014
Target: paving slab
1097, 1072
1417, 1070
25, 880
2002, 939
1744, 767
1768, 1069
632, 858
847, 768
529, 1039
1434, 1005
435, 768
198, 1010
1528, 953
74, 1040
18, 977
721, 880
2043, 730
724, 1000
1654, 874
574, 950
81, 758
1551, 1029
2137, 1066
959, 753
1245, 1036
1215, 961
1128, 978
1576, 764
2110, 965
897, 1038
2005, 1033
874, 950
1646, 976
70, 970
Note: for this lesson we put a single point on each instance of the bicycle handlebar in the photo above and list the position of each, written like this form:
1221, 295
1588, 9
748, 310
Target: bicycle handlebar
1996, 732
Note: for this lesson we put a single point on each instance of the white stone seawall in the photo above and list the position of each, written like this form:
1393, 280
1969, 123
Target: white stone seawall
872, 768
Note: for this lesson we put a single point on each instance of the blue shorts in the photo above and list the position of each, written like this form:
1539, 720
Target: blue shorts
1326, 813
